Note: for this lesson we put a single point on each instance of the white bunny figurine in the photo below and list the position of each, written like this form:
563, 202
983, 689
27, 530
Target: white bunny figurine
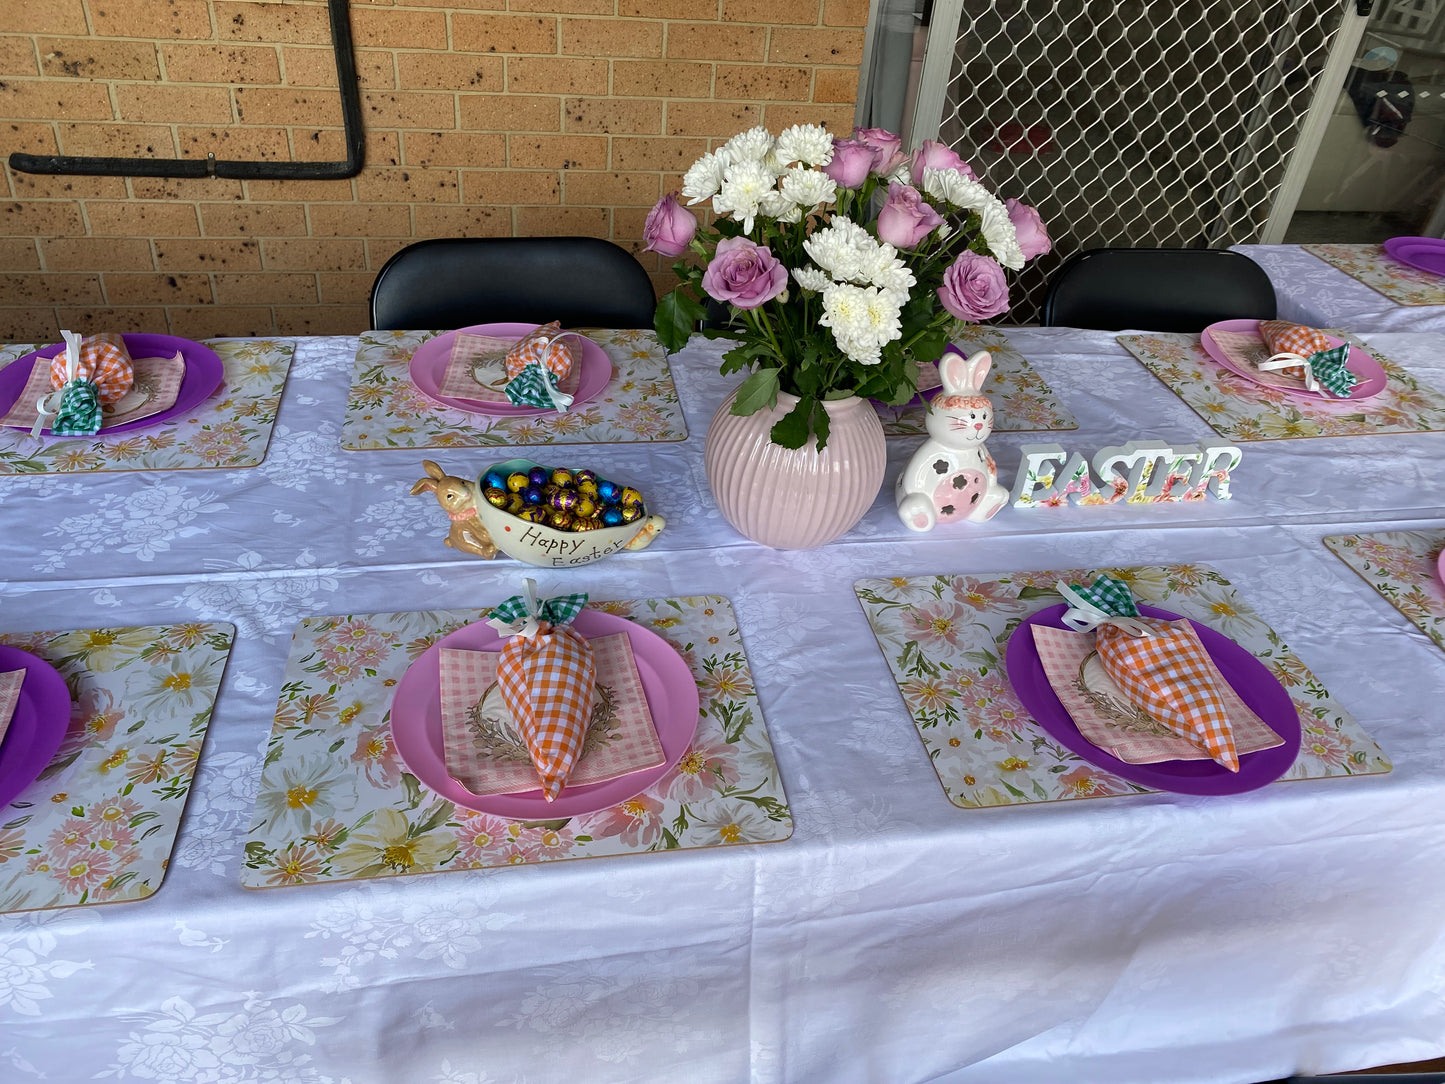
952, 476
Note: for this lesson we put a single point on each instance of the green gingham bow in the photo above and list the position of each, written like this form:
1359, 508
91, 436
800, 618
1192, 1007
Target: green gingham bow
1107, 602
536, 385
1325, 368
523, 615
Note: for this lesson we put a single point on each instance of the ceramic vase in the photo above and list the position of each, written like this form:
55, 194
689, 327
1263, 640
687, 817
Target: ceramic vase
794, 498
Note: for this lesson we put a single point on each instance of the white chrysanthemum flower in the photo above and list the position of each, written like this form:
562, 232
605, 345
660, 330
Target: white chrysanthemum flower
791, 216
809, 187
810, 278
704, 177
903, 175
775, 204
943, 232
745, 185
862, 318
896, 279
751, 146
807, 143
842, 249
1003, 239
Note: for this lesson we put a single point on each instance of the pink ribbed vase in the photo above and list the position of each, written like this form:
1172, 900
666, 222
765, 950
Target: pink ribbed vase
793, 499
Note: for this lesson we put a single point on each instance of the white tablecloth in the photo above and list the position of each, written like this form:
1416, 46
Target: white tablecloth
894, 937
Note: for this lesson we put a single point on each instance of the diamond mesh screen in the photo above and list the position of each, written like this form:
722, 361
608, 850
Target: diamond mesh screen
1134, 123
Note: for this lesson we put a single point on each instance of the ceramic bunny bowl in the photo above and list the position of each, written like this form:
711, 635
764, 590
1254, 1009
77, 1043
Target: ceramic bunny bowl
537, 541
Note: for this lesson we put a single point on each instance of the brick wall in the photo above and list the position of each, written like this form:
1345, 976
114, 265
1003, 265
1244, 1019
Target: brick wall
483, 118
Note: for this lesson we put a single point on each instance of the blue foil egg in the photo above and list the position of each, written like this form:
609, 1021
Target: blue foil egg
612, 517
539, 476
534, 495
608, 491
494, 479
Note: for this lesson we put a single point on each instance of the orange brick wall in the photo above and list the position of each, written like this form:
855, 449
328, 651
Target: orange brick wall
483, 118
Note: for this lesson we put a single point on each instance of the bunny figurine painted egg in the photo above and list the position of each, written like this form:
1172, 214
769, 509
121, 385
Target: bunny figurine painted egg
952, 477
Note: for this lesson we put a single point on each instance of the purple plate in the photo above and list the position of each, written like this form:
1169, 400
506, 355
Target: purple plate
1421, 253
429, 366
204, 373
1257, 687
667, 681
38, 726
1372, 376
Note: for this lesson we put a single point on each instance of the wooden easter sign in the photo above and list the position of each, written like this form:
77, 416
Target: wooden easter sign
1140, 472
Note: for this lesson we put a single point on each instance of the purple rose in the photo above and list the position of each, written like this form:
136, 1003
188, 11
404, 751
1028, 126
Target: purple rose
935, 155
974, 288
906, 219
744, 274
1033, 238
669, 227
887, 148
851, 162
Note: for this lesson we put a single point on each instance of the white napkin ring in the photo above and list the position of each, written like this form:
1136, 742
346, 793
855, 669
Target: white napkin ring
1083, 616
1290, 361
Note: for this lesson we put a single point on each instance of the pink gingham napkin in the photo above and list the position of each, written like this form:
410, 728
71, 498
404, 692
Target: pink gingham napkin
485, 751
477, 369
1106, 718
10, 682
156, 384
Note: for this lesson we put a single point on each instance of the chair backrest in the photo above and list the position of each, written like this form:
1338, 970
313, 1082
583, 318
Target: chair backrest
459, 281
1157, 289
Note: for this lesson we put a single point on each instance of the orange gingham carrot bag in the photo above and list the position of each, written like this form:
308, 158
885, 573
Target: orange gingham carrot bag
1160, 666
89, 373
546, 675
536, 366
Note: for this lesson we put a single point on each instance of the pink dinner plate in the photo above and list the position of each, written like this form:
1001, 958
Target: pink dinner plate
668, 682
42, 716
1372, 376
429, 366
1421, 253
204, 373
1251, 679
1440, 566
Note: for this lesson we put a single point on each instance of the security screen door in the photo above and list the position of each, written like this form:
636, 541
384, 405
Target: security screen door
1172, 124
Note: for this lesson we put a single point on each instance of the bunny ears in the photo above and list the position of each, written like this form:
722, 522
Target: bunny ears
963, 375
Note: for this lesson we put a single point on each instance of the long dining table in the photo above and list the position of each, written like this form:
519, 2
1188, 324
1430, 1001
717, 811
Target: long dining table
893, 936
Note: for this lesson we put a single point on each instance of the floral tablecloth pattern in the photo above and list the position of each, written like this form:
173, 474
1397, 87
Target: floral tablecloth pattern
99, 823
384, 409
1401, 283
944, 639
1403, 567
1022, 399
336, 802
1242, 410
230, 429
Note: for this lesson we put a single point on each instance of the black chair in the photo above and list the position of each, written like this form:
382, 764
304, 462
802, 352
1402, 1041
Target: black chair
459, 281
1157, 289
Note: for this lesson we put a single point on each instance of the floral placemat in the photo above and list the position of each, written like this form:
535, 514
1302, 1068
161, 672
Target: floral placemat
384, 409
944, 638
336, 803
1401, 283
99, 823
1022, 399
1243, 410
1403, 566
230, 429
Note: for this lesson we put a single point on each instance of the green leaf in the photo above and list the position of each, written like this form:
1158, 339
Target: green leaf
792, 430
821, 425
758, 391
413, 790
676, 316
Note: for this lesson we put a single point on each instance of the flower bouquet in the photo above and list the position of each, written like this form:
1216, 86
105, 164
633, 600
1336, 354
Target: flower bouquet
843, 264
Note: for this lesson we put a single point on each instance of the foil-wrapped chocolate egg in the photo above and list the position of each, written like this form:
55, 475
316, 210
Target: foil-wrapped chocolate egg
585, 476
534, 495
559, 519
514, 503
631, 513
494, 479
539, 476
608, 491
612, 517
587, 523
533, 514
564, 500
630, 496
586, 506
588, 489
562, 477
497, 497
518, 481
